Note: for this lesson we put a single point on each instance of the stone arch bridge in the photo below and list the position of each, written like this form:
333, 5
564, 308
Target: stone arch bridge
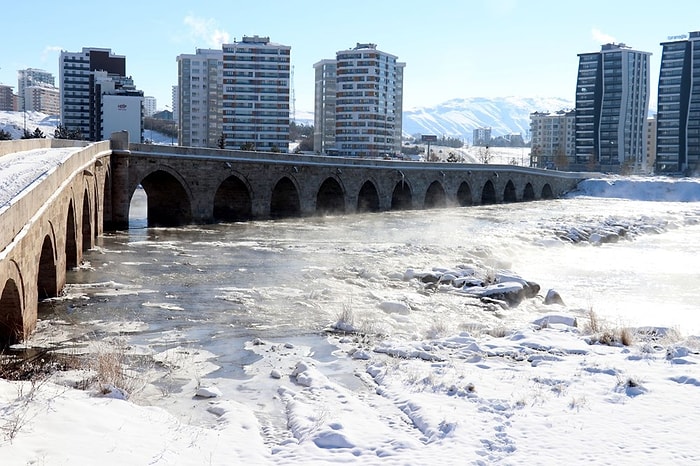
194, 185
48, 226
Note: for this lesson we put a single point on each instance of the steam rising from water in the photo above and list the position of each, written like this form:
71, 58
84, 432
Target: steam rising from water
298, 276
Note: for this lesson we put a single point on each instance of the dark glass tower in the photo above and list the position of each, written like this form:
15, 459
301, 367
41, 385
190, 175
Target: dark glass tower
678, 117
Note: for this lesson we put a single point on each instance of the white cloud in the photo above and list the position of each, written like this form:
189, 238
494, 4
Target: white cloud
206, 29
50, 52
601, 37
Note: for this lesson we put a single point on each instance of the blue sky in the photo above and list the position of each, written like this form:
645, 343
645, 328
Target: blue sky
452, 49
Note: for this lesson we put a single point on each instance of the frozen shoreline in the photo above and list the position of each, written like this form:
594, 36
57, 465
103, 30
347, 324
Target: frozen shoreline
384, 402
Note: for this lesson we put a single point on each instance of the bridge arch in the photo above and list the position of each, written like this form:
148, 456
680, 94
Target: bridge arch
509, 192
11, 322
528, 192
108, 212
401, 197
47, 280
285, 199
12, 303
435, 196
232, 201
330, 197
368, 198
464, 194
547, 192
488, 193
86, 223
71, 238
168, 200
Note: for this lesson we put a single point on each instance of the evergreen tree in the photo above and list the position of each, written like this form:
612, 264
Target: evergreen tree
5, 136
61, 132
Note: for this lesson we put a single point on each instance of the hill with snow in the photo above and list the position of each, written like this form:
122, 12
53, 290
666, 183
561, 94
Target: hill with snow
15, 123
459, 117
455, 118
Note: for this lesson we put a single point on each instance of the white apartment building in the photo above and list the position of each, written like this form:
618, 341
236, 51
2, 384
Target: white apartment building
366, 111
41, 98
33, 77
256, 95
175, 104
150, 105
481, 136
120, 106
553, 138
197, 108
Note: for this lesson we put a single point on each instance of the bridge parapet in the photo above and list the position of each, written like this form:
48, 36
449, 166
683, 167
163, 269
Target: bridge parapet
17, 212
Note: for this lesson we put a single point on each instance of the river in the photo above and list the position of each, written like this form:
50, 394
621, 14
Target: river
297, 276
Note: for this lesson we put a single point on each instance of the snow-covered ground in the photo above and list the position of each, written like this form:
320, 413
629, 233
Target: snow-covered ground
15, 123
556, 391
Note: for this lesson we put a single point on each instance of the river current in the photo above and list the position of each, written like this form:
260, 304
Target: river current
216, 287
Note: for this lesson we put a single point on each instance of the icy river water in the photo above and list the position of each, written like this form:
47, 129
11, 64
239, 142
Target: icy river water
216, 286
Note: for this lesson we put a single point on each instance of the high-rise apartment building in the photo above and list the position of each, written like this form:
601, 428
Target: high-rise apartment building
651, 141
365, 108
32, 77
324, 107
256, 94
612, 101
91, 82
175, 103
552, 138
199, 95
150, 105
678, 117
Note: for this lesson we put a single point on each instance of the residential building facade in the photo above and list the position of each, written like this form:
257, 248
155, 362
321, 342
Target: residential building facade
678, 117
612, 101
324, 107
41, 98
7, 98
198, 103
481, 136
120, 106
552, 142
256, 95
84, 78
33, 77
651, 141
150, 106
175, 104
368, 103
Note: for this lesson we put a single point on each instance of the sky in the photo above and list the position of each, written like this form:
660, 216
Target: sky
489, 48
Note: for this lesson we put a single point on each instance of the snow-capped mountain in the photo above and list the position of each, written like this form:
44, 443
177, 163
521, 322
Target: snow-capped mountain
453, 118
459, 117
